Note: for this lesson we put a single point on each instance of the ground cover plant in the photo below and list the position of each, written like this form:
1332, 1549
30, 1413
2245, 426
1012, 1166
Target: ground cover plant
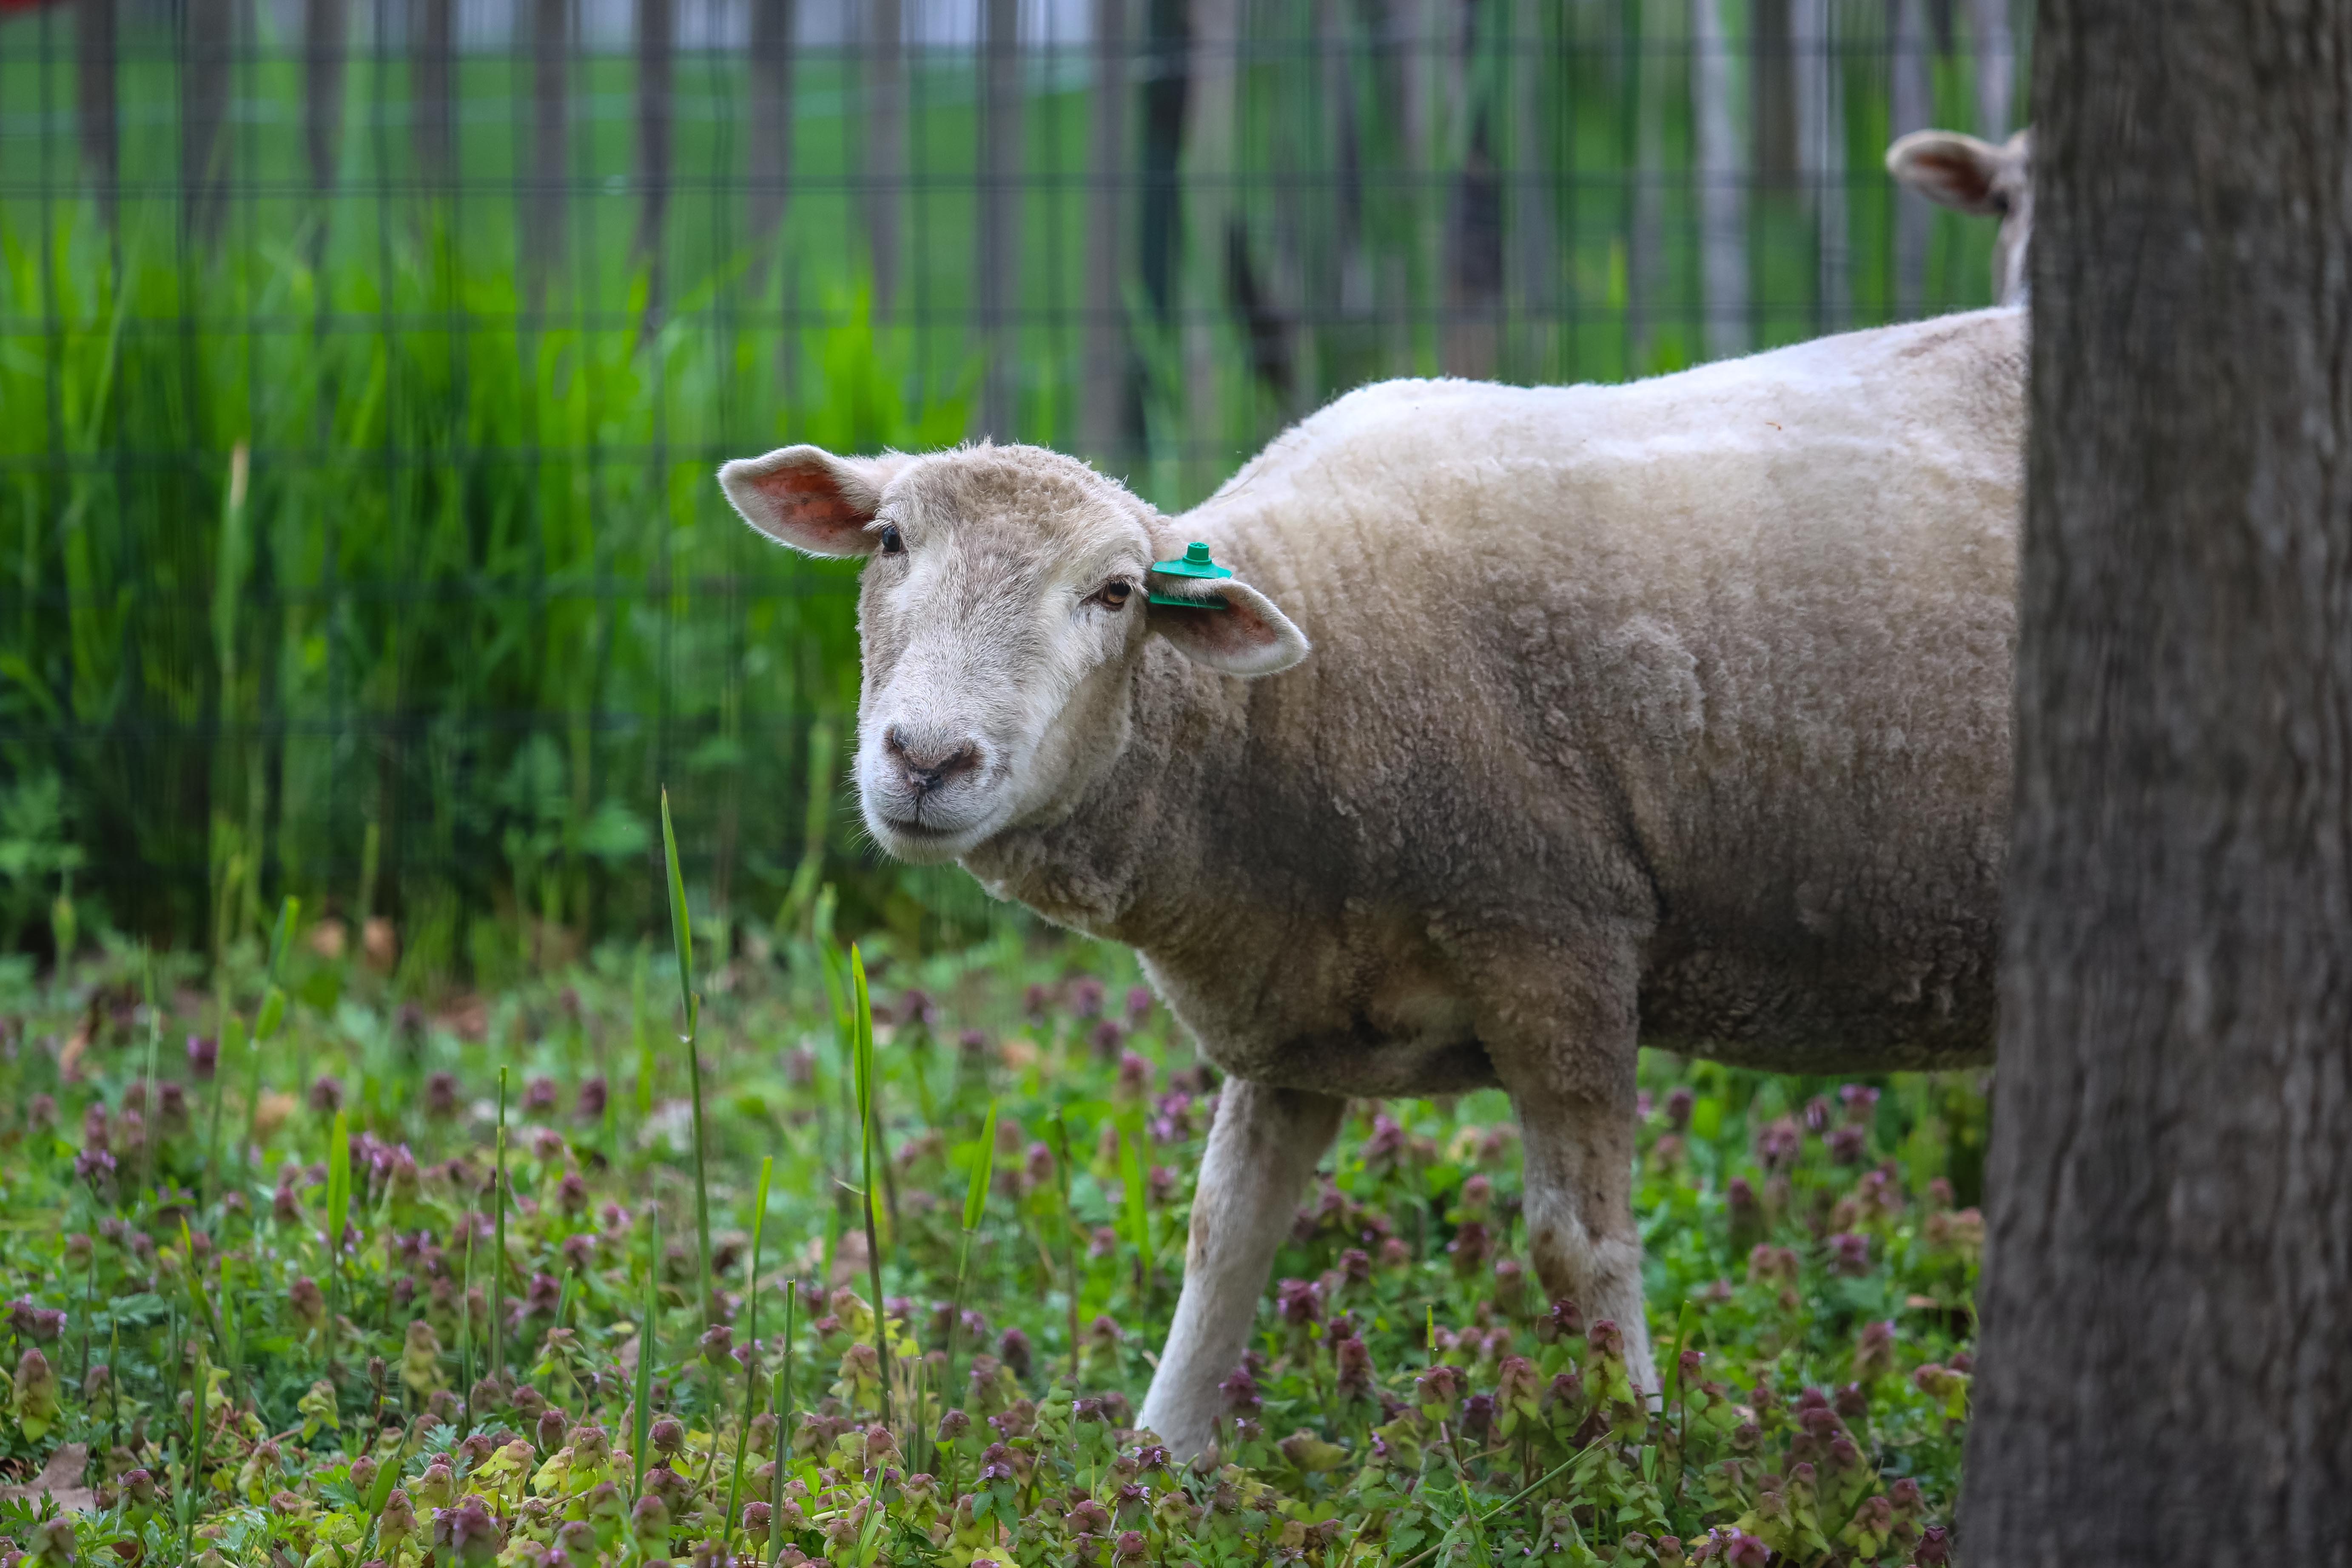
300, 1272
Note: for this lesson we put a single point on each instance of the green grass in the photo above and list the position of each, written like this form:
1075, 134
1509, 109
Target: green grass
1408, 1397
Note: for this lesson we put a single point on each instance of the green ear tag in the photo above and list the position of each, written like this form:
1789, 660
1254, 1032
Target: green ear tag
1194, 563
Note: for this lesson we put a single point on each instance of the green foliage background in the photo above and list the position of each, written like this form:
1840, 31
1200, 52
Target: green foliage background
477, 598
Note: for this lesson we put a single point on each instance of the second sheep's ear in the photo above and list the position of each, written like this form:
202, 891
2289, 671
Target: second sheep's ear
1948, 167
807, 498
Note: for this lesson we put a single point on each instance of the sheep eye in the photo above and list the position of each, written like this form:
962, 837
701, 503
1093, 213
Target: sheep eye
1114, 595
891, 543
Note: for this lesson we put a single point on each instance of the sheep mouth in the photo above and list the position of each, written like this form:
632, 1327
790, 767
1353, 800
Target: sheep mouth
912, 828
913, 838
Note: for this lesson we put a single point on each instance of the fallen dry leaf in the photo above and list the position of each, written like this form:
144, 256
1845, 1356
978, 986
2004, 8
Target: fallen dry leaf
60, 1478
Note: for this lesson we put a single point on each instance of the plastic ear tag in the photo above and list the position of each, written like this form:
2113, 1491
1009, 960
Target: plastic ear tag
1194, 563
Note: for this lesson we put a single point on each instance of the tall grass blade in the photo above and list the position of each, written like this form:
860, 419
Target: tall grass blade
339, 1199
868, 1130
226, 1050
781, 1398
210, 1320
498, 1242
1138, 1210
975, 1207
983, 1173
682, 932
196, 1456
289, 913
751, 1350
643, 1040
154, 1044
641, 1422
466, 1319
680, 925
1069, 1236
252, 1096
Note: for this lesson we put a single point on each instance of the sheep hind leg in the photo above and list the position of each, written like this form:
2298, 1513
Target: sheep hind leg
1580, 1218
1567, 1056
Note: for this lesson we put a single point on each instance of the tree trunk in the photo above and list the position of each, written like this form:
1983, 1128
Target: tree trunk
1103, 418
2168, 1292
1000, 216
1821, 137
885, 146
95, 102
323, 46
1644, 44
1910, 102
207, 62
1340, 295
1996, 64
1208, 169
656, 117
551, 139
1722, 184
1410, 229
1474, 226
1167, 94
1535, 262
769, 163
1774, 101
434, 95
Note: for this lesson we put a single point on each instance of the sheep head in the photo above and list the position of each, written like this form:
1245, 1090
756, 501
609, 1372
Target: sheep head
1978, 177
1001, 612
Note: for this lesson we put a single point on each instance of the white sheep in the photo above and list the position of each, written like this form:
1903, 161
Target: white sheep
1674, 713
1958, 170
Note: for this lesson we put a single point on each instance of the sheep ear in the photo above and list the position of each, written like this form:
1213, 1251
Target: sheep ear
1946, 167
1248, 637
807, 498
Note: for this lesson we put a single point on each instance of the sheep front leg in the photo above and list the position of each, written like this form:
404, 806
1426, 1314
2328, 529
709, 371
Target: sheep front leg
1262, 1149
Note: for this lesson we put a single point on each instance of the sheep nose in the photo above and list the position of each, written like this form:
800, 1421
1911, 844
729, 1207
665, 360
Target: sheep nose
929, 764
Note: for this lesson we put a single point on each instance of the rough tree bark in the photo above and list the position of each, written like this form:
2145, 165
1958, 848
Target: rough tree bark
2168, 1295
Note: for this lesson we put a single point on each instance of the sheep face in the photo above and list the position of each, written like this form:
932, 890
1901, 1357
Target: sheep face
1977, 177
1002, 612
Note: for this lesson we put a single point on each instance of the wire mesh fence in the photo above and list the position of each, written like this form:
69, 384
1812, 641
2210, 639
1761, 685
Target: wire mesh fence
363, 364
